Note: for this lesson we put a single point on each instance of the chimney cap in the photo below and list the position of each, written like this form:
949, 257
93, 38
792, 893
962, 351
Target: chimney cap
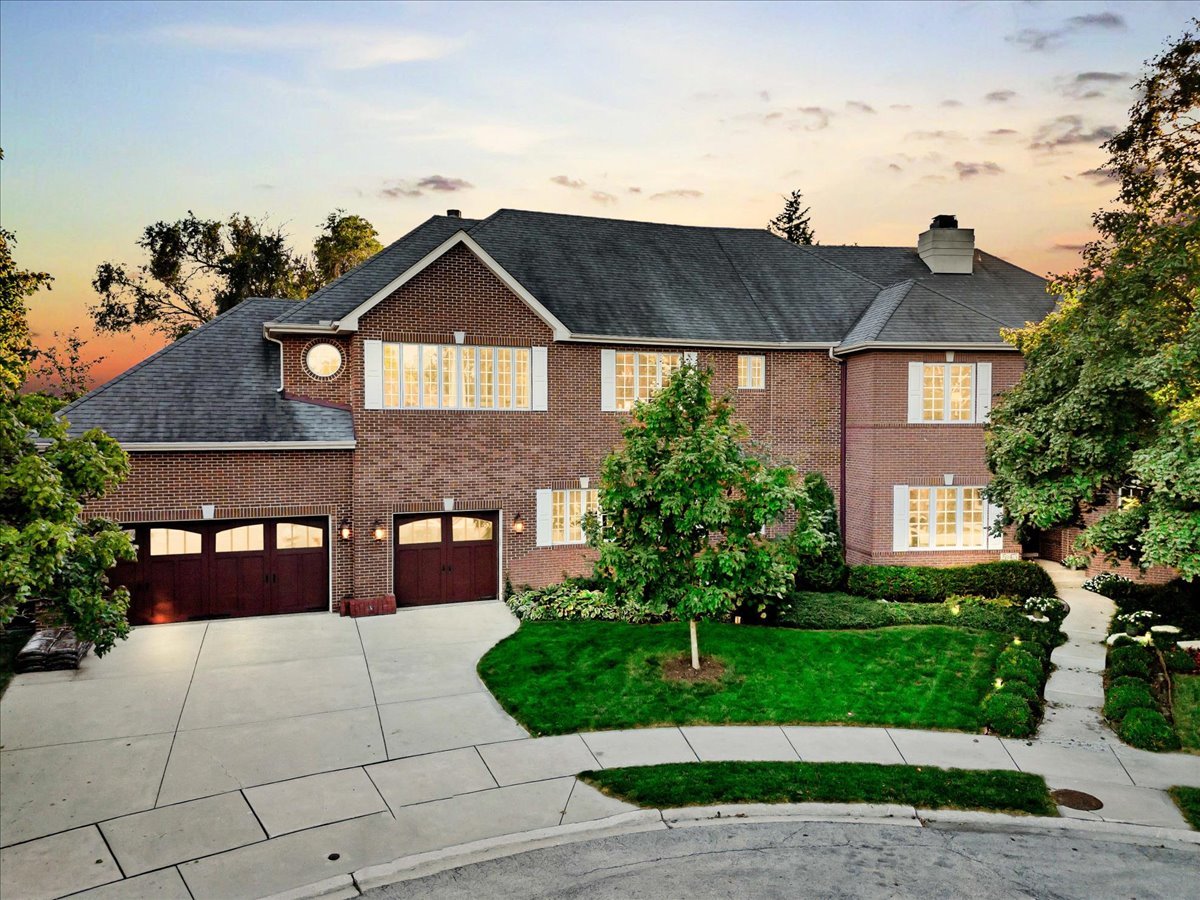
944, 220
454, 213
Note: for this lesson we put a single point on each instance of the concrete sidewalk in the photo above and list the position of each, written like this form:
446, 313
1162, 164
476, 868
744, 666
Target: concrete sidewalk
276, 762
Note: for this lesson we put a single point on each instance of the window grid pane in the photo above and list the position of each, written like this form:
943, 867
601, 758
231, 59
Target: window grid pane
423, 531
959, 398
918, 517
522, 376
946, 532
933, 395
449, 377
291, 536
504, 378
972, 518
487, 378
391, 375
429, 376
412, 382
468, 376
558, 517
647, 375
469, 528
625, 380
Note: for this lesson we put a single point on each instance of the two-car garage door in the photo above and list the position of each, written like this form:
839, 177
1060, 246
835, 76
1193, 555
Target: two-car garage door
204, 570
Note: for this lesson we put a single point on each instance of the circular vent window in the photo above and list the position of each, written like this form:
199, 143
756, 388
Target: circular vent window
323, 360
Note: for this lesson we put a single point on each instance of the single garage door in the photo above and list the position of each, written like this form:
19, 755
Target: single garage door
445, 558
212, 570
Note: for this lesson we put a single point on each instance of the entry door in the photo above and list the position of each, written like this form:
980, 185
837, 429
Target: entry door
446, 558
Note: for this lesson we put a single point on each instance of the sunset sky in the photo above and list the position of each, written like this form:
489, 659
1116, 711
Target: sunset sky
116, 115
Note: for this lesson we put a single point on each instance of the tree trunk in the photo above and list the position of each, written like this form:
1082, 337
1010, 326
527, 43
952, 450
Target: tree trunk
695, 645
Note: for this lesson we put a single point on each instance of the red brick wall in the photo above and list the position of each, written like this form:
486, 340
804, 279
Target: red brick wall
299, 382
883, 450
165, 487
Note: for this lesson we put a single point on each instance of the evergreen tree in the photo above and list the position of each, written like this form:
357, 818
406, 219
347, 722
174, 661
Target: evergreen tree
793, 224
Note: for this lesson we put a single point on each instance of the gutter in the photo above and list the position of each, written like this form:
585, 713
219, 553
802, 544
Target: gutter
980, 346
186, 446
841, 446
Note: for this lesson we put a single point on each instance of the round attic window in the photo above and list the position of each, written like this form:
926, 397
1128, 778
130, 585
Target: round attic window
323, 360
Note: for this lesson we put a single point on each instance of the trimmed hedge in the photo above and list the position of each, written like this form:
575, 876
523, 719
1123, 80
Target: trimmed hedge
1016, 664
1121, 699
1130, 659
919, 584
1007, 714
1148, 729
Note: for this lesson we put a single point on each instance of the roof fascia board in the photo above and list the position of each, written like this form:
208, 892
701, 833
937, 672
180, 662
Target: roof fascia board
350, 322
270, 328
689, 342
923, 345
181, 446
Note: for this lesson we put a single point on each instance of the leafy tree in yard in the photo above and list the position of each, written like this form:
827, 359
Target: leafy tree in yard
685, 503
47, 551
61, 369
792, 224
1110, 396
815, 543
198, 268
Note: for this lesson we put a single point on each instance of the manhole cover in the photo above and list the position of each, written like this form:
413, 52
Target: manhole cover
1076, 800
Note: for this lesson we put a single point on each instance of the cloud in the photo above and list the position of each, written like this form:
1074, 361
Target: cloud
635, 190
968, 170
950, 104
264, 187
895, 167
1001, 96
764, 96
1069, 248
1002, 132
902, 107
1066, 131
859, 106
678, 194
337, 47
938, 135
1044, 39
1088, 85
395, 190
567, 182
1098, 175
603, 197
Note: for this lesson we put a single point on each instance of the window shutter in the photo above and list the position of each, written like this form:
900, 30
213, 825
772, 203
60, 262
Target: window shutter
539, 378
544, 521
608, 380
915, 391
373, 374
900, 516
983, 391
993, 513
690, 357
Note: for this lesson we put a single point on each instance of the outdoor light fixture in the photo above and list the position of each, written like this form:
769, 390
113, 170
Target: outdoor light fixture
518, 523
345, 530
377, 531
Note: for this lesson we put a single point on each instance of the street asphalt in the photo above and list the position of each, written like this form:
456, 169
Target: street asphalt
825, 860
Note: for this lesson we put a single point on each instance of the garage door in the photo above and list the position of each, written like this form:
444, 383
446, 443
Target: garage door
211, 570
445, 558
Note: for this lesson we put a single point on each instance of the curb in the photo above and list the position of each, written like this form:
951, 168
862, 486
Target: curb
407, 868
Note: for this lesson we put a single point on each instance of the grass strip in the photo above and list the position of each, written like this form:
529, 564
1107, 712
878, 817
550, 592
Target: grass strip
1185, 708
561, 677
709, 783
1188, 801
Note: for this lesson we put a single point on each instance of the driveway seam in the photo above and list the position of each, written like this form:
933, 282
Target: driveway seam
111, 852
385, 800
689, 743
903, 758
374, 696
567, 805
253, 812
182, 707
491, 774
795, 749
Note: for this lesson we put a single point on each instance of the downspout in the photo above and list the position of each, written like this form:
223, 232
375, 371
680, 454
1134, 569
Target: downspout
278, 390
841, 445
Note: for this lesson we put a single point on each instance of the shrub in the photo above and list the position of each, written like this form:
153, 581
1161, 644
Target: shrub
1129, 660
1075, 561
918, 584
1179, 660
1016, 664
1148, 729
1050, 607
1022, 689
1120, 699
816, 541
1106, 583
1126, 680
1176, 602
1007, 714
570, 601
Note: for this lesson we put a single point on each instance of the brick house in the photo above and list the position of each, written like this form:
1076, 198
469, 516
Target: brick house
432, 423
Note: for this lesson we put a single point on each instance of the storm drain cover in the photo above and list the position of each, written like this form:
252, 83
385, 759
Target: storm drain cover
1076, 800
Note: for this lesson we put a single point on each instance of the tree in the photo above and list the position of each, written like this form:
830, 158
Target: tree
198, 268
1109, 402
685, 507
792, 224
48, 552
61, 369
15, 286
815, 542
344, 242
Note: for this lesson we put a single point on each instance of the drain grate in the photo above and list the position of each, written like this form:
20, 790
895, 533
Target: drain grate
1076, 800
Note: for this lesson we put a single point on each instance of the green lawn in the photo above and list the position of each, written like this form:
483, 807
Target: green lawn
1185, 706
702, 784
1188, 801
561, 677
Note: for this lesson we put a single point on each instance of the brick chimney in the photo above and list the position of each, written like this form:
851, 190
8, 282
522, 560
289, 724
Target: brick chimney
946, 248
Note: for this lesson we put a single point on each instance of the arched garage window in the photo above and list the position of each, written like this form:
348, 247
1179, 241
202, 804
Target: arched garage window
242, 539
291, 536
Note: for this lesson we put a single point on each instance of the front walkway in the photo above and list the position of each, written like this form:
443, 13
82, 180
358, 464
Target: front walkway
241, 759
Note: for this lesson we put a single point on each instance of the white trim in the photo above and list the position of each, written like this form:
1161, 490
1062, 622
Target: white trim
923, 345
285, 328
350, 321
693, 342
183, 446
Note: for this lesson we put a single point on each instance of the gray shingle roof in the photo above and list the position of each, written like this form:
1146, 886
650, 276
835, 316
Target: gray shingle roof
215, 384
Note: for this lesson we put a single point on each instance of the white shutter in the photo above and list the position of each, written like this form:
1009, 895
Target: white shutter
993, 514
983, 391
539, 378
900, 516
373, 374
544, 521
608, 380
690, 357
916, 381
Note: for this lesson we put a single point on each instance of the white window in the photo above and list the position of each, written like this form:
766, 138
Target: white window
453, 376
943, 518
752, 372
949, 392
627, 376
561, 514
323, 360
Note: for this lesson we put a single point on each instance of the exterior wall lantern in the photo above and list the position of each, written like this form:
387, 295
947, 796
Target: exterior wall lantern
345, 530
518, 524
378, 532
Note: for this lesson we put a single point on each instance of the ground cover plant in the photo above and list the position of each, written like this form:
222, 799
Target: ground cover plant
1188, 801
561, 677
923, 584
707, 783
1186, 708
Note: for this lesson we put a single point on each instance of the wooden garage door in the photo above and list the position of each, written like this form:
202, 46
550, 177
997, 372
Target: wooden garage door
210, 570
445, 557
